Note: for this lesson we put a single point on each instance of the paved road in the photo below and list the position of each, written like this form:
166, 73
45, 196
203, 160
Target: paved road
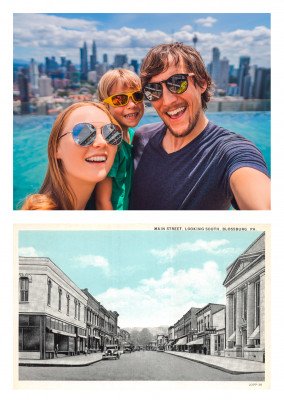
137, 366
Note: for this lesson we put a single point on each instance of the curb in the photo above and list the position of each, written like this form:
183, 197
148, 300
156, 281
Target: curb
218, 367
23, 364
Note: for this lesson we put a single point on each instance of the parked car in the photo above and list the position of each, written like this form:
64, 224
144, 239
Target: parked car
111, 351
127, 350
160, 348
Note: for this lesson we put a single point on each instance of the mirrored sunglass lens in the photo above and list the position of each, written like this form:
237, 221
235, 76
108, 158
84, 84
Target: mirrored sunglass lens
119, 100
84, 134
112, 134
177, 84
153, 91
138, 96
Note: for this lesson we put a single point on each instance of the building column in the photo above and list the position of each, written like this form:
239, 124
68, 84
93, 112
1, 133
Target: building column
250, 313
229, 318
262, 311
238, 323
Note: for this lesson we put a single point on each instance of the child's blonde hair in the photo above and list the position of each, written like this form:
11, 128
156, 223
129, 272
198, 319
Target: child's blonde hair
127, 78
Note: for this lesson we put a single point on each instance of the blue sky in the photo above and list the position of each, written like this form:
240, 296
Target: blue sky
40, 35
149, 277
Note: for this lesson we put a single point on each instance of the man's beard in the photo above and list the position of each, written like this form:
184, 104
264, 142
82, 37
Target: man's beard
190, 127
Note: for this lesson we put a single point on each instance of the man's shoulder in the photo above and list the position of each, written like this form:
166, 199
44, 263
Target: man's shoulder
224, 135
149, 130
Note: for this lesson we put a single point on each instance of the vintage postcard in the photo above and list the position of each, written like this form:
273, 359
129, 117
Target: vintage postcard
178, 304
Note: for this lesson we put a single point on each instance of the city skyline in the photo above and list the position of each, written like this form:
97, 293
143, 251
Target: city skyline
149, 278
45, 35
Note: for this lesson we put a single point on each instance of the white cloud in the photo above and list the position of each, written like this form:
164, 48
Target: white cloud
28, 252
212, 247
40, 35
91, 260
208, 21
186, 28
162, 301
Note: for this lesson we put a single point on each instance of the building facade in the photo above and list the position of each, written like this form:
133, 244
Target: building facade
54, 314
52, 310
245, 304
202, 340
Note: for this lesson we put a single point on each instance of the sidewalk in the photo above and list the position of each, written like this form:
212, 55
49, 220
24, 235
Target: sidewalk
67, 361
227, 364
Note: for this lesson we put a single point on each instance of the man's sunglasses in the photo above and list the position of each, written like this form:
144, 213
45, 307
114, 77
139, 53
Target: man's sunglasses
85, 134
176, 84
121, 99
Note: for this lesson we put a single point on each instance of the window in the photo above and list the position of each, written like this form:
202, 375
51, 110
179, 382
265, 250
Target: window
24, 289
257, 303
68, 303
59, 298
76, 304
79, 308
49, 284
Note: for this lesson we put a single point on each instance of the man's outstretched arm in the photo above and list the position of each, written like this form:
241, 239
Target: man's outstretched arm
251, 189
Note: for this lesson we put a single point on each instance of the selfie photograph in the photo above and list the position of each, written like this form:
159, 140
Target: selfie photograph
141, 111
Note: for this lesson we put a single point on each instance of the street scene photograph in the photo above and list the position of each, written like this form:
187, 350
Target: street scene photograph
142, 303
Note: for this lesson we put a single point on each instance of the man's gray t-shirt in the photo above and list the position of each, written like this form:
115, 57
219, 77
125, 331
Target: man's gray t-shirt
196, 177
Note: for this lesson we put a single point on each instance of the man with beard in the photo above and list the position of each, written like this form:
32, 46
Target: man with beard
187, 162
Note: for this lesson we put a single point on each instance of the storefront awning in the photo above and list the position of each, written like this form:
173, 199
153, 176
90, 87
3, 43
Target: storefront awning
255, 335
232, 338
181, 341
97, 337
61, 332
196, 341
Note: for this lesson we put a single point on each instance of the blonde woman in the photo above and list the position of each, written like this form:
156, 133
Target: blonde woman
82, 146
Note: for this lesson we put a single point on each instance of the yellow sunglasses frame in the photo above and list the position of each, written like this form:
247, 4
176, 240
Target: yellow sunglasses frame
109, 99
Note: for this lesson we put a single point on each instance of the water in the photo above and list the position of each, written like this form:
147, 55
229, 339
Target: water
31, 135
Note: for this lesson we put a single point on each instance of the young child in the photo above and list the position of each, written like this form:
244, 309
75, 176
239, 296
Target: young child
120, 91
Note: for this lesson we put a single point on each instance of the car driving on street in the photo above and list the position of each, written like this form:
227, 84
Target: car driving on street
111, 351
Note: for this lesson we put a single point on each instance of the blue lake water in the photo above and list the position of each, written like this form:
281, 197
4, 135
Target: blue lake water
31, 135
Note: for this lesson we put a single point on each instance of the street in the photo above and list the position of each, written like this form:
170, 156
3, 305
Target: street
136, 366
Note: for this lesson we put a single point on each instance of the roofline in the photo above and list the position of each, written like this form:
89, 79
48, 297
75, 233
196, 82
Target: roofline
232, 264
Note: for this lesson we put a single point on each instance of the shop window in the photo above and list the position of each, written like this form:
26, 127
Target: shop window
24, 289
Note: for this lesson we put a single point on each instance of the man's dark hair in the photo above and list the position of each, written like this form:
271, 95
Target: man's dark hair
157, 61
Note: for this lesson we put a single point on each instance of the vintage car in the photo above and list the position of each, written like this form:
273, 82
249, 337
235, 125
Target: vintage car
111, 351
127, 350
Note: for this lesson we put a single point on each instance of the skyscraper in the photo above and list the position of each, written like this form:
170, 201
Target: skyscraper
33, 70
84, 62
243, 71
93, 57
216, 66
223, 74
45, 87
105, 58
120, 60
24, 92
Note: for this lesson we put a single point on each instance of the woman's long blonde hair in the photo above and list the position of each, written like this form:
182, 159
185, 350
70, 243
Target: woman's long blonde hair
55, 193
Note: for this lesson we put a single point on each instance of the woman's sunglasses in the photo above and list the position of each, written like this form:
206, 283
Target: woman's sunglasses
176, 84
121, 99
85, 134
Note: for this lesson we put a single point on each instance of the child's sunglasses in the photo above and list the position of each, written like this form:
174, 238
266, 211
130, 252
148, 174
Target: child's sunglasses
122, 99
176, 84
85, 134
